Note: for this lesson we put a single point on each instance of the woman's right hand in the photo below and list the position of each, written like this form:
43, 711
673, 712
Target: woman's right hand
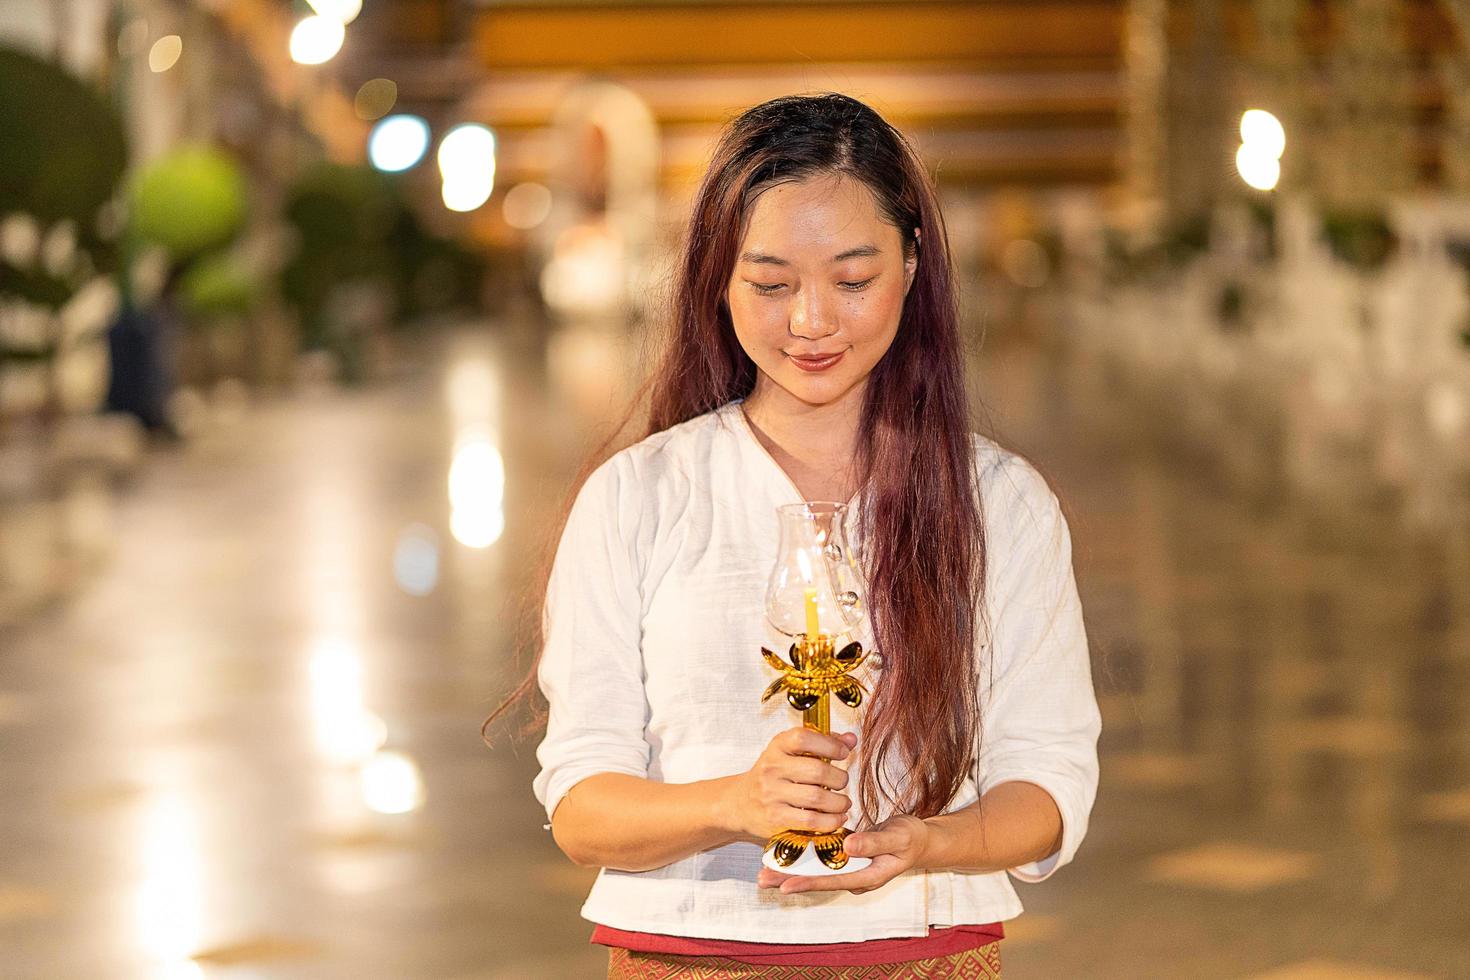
788, 788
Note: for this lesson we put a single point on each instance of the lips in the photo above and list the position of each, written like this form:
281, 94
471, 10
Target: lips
816, 363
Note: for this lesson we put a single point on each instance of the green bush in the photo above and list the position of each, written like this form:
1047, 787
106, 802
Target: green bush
190, 202
1362, 239
62, 151
218, 286
62, 155
352, 223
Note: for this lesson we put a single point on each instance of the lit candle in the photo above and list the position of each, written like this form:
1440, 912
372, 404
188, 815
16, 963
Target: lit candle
811, 612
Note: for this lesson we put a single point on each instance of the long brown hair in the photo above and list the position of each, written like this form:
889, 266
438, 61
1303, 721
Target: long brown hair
921, 512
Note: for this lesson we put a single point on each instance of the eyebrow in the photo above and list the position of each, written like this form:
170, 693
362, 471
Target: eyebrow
762, 258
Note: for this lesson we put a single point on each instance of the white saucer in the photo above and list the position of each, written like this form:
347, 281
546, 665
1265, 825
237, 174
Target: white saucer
811, 865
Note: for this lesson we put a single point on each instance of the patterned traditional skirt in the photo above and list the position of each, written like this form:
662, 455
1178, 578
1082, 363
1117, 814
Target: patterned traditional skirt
981, 963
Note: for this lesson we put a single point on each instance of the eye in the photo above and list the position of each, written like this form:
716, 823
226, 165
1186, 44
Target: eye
766, 289
857, 286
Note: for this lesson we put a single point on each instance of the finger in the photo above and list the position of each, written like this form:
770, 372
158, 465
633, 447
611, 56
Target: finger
770, 879
814, 772
795, 818
817, 798
870, 842
803, 740
872, 876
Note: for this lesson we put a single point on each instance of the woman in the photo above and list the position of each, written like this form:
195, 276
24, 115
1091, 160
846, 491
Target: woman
814, 355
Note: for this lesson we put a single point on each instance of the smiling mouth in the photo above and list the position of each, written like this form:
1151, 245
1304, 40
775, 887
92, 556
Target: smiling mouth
816, 363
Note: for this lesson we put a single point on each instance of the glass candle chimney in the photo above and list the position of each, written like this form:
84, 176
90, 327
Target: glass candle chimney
814, 586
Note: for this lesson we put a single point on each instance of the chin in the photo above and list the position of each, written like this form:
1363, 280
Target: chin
818, 390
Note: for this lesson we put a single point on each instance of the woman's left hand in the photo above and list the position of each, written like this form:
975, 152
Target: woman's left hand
895, 845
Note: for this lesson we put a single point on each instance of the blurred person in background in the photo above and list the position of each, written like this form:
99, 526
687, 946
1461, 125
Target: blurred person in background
814, 353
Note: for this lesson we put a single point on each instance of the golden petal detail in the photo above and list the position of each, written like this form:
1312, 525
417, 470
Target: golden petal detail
775, 661
829, 849
787, 848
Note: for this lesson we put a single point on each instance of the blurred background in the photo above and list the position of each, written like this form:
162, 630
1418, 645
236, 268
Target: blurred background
310, 310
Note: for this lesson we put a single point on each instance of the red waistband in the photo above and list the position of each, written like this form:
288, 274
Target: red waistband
941, 941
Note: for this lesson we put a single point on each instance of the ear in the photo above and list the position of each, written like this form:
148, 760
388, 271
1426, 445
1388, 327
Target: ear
911, 262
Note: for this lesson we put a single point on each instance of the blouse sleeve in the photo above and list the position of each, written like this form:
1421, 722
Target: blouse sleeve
1039, 716
591, 668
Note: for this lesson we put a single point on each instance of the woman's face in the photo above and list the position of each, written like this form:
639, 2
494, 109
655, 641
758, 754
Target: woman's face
820, 273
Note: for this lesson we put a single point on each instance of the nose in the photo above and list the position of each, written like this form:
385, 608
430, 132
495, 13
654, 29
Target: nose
811, 317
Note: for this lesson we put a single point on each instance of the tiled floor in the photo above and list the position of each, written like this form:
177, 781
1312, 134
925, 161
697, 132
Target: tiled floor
249, 746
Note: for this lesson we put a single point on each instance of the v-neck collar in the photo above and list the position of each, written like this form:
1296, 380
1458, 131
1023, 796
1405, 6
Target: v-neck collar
742, 423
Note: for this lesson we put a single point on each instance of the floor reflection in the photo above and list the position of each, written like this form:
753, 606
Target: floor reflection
1286, 701
248, 746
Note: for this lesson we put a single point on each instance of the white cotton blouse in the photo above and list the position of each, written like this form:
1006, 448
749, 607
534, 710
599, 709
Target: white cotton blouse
654, 621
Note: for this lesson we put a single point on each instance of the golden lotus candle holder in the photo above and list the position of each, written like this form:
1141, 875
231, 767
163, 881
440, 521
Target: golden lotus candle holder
815, 572
813, 676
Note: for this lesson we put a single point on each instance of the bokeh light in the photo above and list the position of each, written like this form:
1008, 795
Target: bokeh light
1263, 140
316, 40
477, 527
347, 733
168, 901
1263, 132
527, 205
474, 390
165, 53
585, 274
467, 150
465, 195
342, 11
375, 98
398, 143
467, 164
392, 783
477, 492
477, 475
416, 560
1259, 170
